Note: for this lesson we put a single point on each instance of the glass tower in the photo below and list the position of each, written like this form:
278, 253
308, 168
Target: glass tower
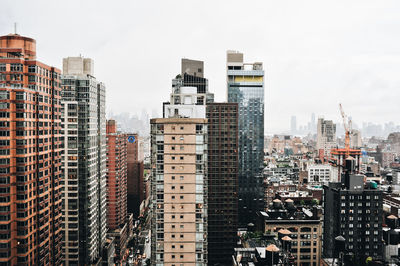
245, 84
84, 163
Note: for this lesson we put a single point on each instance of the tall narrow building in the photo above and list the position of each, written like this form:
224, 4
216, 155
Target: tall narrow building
326, 137
179, 176
30, 156
84, 163
245, 84
117, 170
135, 182
222, 181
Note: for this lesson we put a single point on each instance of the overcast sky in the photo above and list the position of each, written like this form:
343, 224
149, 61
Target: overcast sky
315, 53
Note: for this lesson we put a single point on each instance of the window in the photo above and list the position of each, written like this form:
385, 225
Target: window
173, 177
181, 187
173, 256
181, 177
181, 246
172, 187
181, 148
181, 157
181, 197
173, 216
182, 128
173, 138
173, 246
173, 226
181, 216
172, 197
173, 157
173, 236
181, 236
181, 226
181, 256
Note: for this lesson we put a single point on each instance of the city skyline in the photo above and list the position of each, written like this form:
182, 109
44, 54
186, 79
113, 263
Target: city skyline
290, 156
306, 53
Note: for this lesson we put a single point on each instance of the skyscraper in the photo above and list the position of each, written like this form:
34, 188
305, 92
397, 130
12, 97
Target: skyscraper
84, 162
30, 156
293, 125
313, 126
245, 84
326, 137
179, 176
222, 181
117, 170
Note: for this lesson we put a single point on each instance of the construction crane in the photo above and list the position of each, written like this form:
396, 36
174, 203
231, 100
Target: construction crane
347, 128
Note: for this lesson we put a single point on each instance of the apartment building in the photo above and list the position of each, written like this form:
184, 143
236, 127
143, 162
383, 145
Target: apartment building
30, 156
84, 163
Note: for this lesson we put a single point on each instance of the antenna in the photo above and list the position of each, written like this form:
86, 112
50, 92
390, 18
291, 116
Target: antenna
15, 27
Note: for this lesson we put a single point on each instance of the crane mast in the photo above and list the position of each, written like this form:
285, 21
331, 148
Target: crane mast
347, 130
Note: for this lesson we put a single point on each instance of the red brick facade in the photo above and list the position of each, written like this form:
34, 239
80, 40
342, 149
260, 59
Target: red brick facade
30, 156
116, 176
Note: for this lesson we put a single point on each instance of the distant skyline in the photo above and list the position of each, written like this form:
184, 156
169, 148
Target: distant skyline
315, 54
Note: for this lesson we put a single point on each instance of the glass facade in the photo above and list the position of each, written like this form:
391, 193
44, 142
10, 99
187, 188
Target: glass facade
247, 89
84, 163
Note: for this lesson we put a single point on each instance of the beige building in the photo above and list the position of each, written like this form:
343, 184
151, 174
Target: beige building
305, 230
326, 137
306, 235
179, 191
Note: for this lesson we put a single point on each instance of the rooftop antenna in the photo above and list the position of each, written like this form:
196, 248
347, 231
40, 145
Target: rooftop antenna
15, 27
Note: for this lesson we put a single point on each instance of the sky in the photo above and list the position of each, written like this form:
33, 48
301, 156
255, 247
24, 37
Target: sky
316, 54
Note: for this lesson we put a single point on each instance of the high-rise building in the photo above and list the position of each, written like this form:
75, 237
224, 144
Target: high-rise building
293, 125
30, 156
222, 181
135, 176
313, 125
117, 170
246, 87
179, 175
355, 139
116, 176
84, 163
353, 210
326, 137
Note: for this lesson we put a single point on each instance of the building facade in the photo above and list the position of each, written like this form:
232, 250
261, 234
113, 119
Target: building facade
117, 169
326, 137
116, 176
135, 181
245, 84
320, 173
304, 230
355, 213
222, 181
30, 156
84, 163
179, 191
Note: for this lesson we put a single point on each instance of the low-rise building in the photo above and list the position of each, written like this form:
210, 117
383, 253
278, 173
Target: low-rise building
301, 225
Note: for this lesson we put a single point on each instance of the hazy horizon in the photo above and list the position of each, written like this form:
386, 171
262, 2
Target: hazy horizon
315, 54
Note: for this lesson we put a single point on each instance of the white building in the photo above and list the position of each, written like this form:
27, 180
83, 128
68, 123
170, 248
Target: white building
320, 173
